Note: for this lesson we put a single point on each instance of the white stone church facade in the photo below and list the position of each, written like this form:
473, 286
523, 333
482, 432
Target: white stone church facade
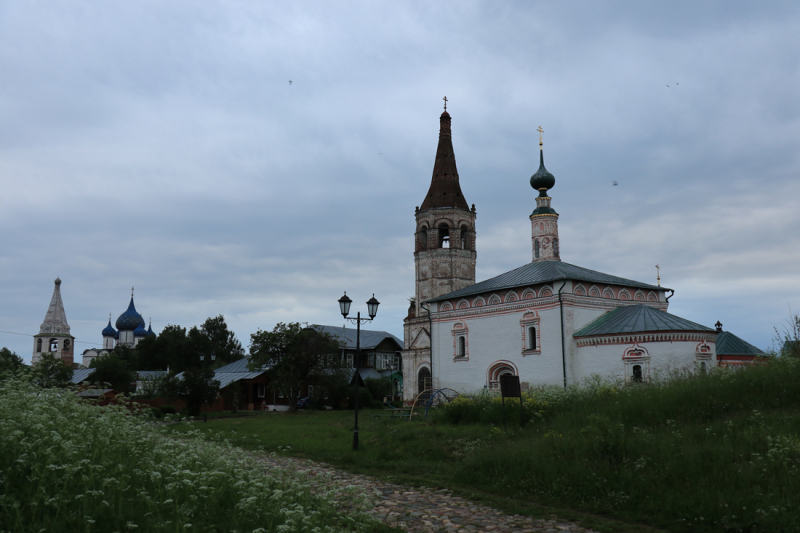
548, 322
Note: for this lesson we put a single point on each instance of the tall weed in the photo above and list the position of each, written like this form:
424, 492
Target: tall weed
66, 465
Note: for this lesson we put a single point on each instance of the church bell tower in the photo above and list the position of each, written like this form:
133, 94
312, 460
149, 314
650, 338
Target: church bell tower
544, 219
444, 256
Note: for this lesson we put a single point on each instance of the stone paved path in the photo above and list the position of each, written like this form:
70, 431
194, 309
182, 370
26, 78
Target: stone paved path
424, 510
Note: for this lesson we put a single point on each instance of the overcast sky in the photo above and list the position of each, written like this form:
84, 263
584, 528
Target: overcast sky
161, 145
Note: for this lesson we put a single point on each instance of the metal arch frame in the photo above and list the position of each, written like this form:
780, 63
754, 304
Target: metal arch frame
433, 393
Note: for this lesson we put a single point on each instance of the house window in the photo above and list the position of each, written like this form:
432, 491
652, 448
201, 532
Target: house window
460, 342
530, 334
637, 373
311, 391
349, 360
371, 360
53, 345
261, 391
38, 345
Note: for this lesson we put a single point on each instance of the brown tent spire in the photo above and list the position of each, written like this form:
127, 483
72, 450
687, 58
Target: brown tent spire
445, 190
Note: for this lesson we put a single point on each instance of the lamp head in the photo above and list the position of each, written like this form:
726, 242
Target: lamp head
372, 306
344, 305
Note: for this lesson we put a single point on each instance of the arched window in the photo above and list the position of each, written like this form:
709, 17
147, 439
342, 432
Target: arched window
531, 338
423, 238
444, 236
637, 373
536, 249
465, 238
555, 246
462, 346
66, 345
38, 345
53, 345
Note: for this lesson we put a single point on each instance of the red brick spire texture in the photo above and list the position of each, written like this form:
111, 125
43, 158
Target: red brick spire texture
445, 190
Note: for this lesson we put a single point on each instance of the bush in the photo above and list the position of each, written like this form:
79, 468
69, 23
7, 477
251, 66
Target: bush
156, 412
365, 400
168, 409
70, 466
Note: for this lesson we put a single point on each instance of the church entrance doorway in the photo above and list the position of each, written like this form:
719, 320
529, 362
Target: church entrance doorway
424, 379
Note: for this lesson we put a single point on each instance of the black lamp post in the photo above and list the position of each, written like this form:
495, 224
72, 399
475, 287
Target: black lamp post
372, 309
205, 392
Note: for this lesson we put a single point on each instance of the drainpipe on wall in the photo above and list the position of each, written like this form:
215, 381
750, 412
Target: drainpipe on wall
671, 294
563, 350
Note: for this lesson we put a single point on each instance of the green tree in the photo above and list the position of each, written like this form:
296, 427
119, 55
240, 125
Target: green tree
197, 387
788, 339
215, 336
294, 355
11, 363
112, 370
50, 371
170, 349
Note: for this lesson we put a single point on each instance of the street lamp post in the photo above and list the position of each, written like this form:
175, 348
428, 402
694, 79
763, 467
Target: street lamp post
372, 309
205, 391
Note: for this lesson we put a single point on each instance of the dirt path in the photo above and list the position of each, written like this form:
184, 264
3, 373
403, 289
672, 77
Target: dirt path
421, 510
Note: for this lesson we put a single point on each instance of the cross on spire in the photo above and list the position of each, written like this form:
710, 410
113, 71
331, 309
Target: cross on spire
131, 292
445, 103
658, 275
540, 130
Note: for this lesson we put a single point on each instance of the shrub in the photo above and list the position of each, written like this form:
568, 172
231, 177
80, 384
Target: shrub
156, 412
67, 465
168, 409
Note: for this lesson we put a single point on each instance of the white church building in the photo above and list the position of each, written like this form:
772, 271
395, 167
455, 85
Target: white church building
548, 322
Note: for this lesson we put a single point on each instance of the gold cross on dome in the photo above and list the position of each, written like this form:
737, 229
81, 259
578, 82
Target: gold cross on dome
658, 275
540, 130
445, 103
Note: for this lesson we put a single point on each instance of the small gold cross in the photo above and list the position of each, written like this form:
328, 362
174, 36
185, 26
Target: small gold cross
445, 103
540, 130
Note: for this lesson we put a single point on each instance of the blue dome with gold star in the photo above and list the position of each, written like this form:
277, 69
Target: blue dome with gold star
109, 331
130, 319
140, 331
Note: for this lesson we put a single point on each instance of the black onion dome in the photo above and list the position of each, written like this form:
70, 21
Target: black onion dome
542, 180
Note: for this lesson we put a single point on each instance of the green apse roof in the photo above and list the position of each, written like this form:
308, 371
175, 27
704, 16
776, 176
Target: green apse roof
730, 344
544, 272
637, 319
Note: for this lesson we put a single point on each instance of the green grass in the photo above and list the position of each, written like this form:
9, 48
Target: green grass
696, 453
67, 465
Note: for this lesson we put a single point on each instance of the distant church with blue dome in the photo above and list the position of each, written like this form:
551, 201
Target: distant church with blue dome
130, 329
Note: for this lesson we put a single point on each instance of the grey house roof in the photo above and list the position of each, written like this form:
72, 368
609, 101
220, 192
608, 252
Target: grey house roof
544, 272
237, 366
637, 319
81, 374
369, 339
730, 344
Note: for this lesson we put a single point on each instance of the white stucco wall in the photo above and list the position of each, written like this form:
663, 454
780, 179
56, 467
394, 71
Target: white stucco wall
494, 334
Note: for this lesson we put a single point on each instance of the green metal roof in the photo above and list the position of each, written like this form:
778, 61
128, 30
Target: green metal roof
637, 319
730, 344
544, 272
